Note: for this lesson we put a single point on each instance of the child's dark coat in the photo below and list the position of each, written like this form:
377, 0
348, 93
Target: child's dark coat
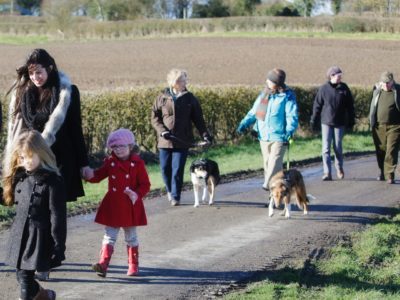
38, 233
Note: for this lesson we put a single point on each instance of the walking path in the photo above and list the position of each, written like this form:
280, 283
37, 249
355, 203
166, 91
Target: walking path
184, 252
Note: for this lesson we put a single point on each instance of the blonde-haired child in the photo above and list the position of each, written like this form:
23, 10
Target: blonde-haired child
38, 233
122, 206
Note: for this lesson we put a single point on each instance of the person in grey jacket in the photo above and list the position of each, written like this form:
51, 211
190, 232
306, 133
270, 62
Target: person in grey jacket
172, 115
38, 232
384, 119
334, 107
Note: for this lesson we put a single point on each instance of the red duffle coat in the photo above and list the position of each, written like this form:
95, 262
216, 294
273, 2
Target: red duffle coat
116, 209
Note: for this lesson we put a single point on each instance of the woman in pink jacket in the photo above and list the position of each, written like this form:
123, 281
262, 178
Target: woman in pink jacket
122, 206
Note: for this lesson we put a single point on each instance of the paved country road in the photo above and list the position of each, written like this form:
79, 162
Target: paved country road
186, 252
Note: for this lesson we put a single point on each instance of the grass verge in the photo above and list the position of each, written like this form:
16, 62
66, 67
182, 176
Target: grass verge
242, 157
23, 40
301, 34
367, 266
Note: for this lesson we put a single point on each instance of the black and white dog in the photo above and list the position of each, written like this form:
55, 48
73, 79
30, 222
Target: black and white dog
204, 173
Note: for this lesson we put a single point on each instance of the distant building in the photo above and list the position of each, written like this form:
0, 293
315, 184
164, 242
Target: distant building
15, 9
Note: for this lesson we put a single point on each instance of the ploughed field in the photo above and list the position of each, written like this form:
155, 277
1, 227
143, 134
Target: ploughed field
110, 65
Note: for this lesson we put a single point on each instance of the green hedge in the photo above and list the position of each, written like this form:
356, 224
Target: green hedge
223, 108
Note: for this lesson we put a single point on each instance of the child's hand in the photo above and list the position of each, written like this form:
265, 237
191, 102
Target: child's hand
87, 173
131, 194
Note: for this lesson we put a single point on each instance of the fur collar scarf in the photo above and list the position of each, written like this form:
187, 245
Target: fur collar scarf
55, 119
35, 117
50, 126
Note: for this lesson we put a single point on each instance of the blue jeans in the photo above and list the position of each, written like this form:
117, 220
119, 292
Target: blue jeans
172, 163
329, 134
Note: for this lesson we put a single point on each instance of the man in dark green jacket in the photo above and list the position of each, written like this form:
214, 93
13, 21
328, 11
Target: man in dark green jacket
385, 124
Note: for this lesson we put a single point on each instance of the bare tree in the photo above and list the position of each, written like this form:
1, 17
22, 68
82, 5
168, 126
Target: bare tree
336, 6
181, 8
305, 7
381, 7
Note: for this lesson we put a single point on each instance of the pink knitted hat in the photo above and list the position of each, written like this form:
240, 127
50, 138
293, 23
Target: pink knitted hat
121, 136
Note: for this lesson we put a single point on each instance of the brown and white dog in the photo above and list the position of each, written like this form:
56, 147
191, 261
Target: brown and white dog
204, 173
285, 185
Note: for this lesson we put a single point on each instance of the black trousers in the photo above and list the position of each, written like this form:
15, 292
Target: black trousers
28, 285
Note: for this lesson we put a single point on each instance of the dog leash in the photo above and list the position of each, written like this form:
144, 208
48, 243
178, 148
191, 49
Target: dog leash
289, 142
190, 145
205, 145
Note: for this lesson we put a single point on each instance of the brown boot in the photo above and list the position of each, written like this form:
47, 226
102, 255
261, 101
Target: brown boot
45, 294
105, 256
133, 261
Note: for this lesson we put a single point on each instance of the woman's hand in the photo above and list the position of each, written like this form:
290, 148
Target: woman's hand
241, 129
87, 173
131, 194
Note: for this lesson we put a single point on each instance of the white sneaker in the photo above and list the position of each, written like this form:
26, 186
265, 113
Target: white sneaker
174, 202
169, 197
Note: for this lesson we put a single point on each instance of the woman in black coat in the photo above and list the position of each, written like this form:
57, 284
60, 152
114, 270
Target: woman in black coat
38, 233
43, 99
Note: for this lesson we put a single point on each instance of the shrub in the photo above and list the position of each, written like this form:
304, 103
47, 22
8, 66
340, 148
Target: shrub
348, 25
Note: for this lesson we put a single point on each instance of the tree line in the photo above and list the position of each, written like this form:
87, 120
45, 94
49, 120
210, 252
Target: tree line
113, 10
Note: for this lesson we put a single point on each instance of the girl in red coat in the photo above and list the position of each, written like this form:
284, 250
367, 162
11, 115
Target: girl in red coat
122, 206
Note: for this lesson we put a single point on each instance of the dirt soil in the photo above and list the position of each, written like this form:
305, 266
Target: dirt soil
189, 253
104, 65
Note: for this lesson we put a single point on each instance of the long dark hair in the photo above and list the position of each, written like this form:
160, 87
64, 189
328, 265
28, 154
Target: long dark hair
24, 84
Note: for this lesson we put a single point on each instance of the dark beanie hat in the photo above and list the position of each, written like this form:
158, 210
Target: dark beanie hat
333, 71
277, 76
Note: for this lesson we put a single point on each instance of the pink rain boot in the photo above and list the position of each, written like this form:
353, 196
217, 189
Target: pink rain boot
105, 255
133, 261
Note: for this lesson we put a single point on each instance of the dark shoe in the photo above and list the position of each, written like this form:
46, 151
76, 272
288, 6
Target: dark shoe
340, 174
42, 276
45, 294
390, 181
381, 177
174, 202
327, 177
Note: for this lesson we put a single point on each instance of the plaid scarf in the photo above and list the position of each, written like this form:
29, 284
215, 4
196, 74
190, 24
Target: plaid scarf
261, 110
